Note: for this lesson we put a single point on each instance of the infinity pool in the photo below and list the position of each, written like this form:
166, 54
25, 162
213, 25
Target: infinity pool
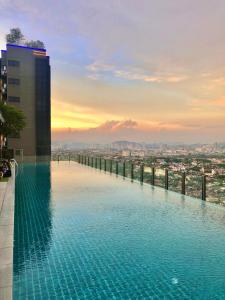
84, 234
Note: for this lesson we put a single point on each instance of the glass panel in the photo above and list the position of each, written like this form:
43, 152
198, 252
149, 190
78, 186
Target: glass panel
215, 189
174, 181
114, 166
148, 174
194, 185
160, 177
120, 168
98, 163
107, 165
137, 172
128, 168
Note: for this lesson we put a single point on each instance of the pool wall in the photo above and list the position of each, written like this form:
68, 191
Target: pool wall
7, 199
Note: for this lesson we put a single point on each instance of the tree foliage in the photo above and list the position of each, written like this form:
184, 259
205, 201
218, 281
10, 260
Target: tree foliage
14, 120
35, 44
15, 36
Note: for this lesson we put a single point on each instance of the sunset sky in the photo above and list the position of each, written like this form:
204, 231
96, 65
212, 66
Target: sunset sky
140, 70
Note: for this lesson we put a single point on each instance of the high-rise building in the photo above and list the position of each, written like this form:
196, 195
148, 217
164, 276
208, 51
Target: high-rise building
25, 83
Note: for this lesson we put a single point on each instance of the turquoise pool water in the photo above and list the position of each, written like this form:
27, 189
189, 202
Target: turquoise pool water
83, 234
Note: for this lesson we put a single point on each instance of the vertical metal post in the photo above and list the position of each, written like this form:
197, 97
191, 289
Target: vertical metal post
58, 158
183, 183
141, 173
166, 179
105, 164
88, 161
110, 165
132, 171
100, 163
124, 169
69, 157
92, 161
153, 176
79, 158
117, 167
204, 187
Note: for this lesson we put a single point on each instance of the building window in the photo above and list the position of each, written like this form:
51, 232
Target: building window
13, 63
13, 99
13, 81
14, 136
18, 152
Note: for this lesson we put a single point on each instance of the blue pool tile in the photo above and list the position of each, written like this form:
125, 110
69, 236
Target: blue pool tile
84, 234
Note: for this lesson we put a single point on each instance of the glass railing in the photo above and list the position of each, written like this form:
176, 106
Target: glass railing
216, 189
160, 177
210, 188
148, 174
175, 181
194, 185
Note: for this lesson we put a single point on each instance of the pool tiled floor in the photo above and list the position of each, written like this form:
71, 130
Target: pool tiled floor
84, 234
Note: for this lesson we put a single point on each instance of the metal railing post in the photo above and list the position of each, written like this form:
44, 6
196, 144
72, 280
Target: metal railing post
124, 169
100, 163
58, 158
69, 157
132, 171
204, 187
117, 167
183, 183
166, 179
110, 165
141, 173
153, 176
105, 164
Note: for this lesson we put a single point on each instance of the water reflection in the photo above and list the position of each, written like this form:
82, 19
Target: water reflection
33, 217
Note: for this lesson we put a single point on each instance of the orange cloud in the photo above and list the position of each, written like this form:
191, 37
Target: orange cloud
218, 102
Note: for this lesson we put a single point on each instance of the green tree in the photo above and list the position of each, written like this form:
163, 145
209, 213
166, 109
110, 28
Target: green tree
14, 120
15, 36
35, 44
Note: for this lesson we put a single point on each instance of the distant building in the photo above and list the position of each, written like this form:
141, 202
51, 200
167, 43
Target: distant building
25, 83
126, 153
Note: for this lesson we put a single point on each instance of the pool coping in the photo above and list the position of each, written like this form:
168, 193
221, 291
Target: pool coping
7, 199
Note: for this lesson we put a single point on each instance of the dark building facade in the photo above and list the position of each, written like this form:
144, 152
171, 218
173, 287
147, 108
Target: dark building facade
26, 84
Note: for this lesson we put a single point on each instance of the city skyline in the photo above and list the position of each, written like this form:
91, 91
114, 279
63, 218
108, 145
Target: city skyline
136, 70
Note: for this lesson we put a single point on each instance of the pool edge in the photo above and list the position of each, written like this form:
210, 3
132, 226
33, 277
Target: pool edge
7, 239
